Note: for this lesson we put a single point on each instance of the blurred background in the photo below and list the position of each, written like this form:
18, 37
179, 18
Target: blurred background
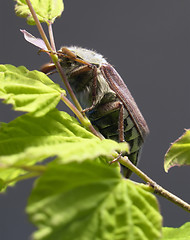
148, 42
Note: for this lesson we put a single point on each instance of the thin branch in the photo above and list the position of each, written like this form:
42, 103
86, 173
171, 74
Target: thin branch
51, 37
56, 62
157, 189
67, 85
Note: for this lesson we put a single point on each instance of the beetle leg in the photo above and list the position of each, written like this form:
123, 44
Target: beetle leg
83, 69
48, 68
80, 70
69, 54
66, 52
120, 129
111, 107
121, 123
94, 87
116, 159
50, 73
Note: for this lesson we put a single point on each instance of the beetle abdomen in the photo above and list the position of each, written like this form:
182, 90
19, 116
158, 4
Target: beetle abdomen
107, 125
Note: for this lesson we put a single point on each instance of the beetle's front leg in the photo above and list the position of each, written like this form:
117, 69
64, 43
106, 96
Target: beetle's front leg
94, 87
84, 69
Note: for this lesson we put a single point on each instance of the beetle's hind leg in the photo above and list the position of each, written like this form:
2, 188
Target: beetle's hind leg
120, 128
121, 123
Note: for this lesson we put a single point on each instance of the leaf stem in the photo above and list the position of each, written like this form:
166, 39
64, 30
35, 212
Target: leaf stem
53, 55
51, 37
157, 189
23, 177
34, 168
39, 26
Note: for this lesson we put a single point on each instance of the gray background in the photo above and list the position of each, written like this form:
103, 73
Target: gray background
148, 42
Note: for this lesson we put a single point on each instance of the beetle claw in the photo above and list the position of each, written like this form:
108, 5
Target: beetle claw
116, 159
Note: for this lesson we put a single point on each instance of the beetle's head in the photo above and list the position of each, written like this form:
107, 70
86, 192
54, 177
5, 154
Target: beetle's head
74, 57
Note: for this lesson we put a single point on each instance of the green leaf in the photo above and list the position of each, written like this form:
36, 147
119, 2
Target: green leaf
179, 152
46, 10
28, 140
182, 233
89, 200
29, 91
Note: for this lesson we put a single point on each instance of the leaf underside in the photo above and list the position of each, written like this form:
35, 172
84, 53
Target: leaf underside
28, 91
88, 200
179, 152
46, 10
28, 140
182, 233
